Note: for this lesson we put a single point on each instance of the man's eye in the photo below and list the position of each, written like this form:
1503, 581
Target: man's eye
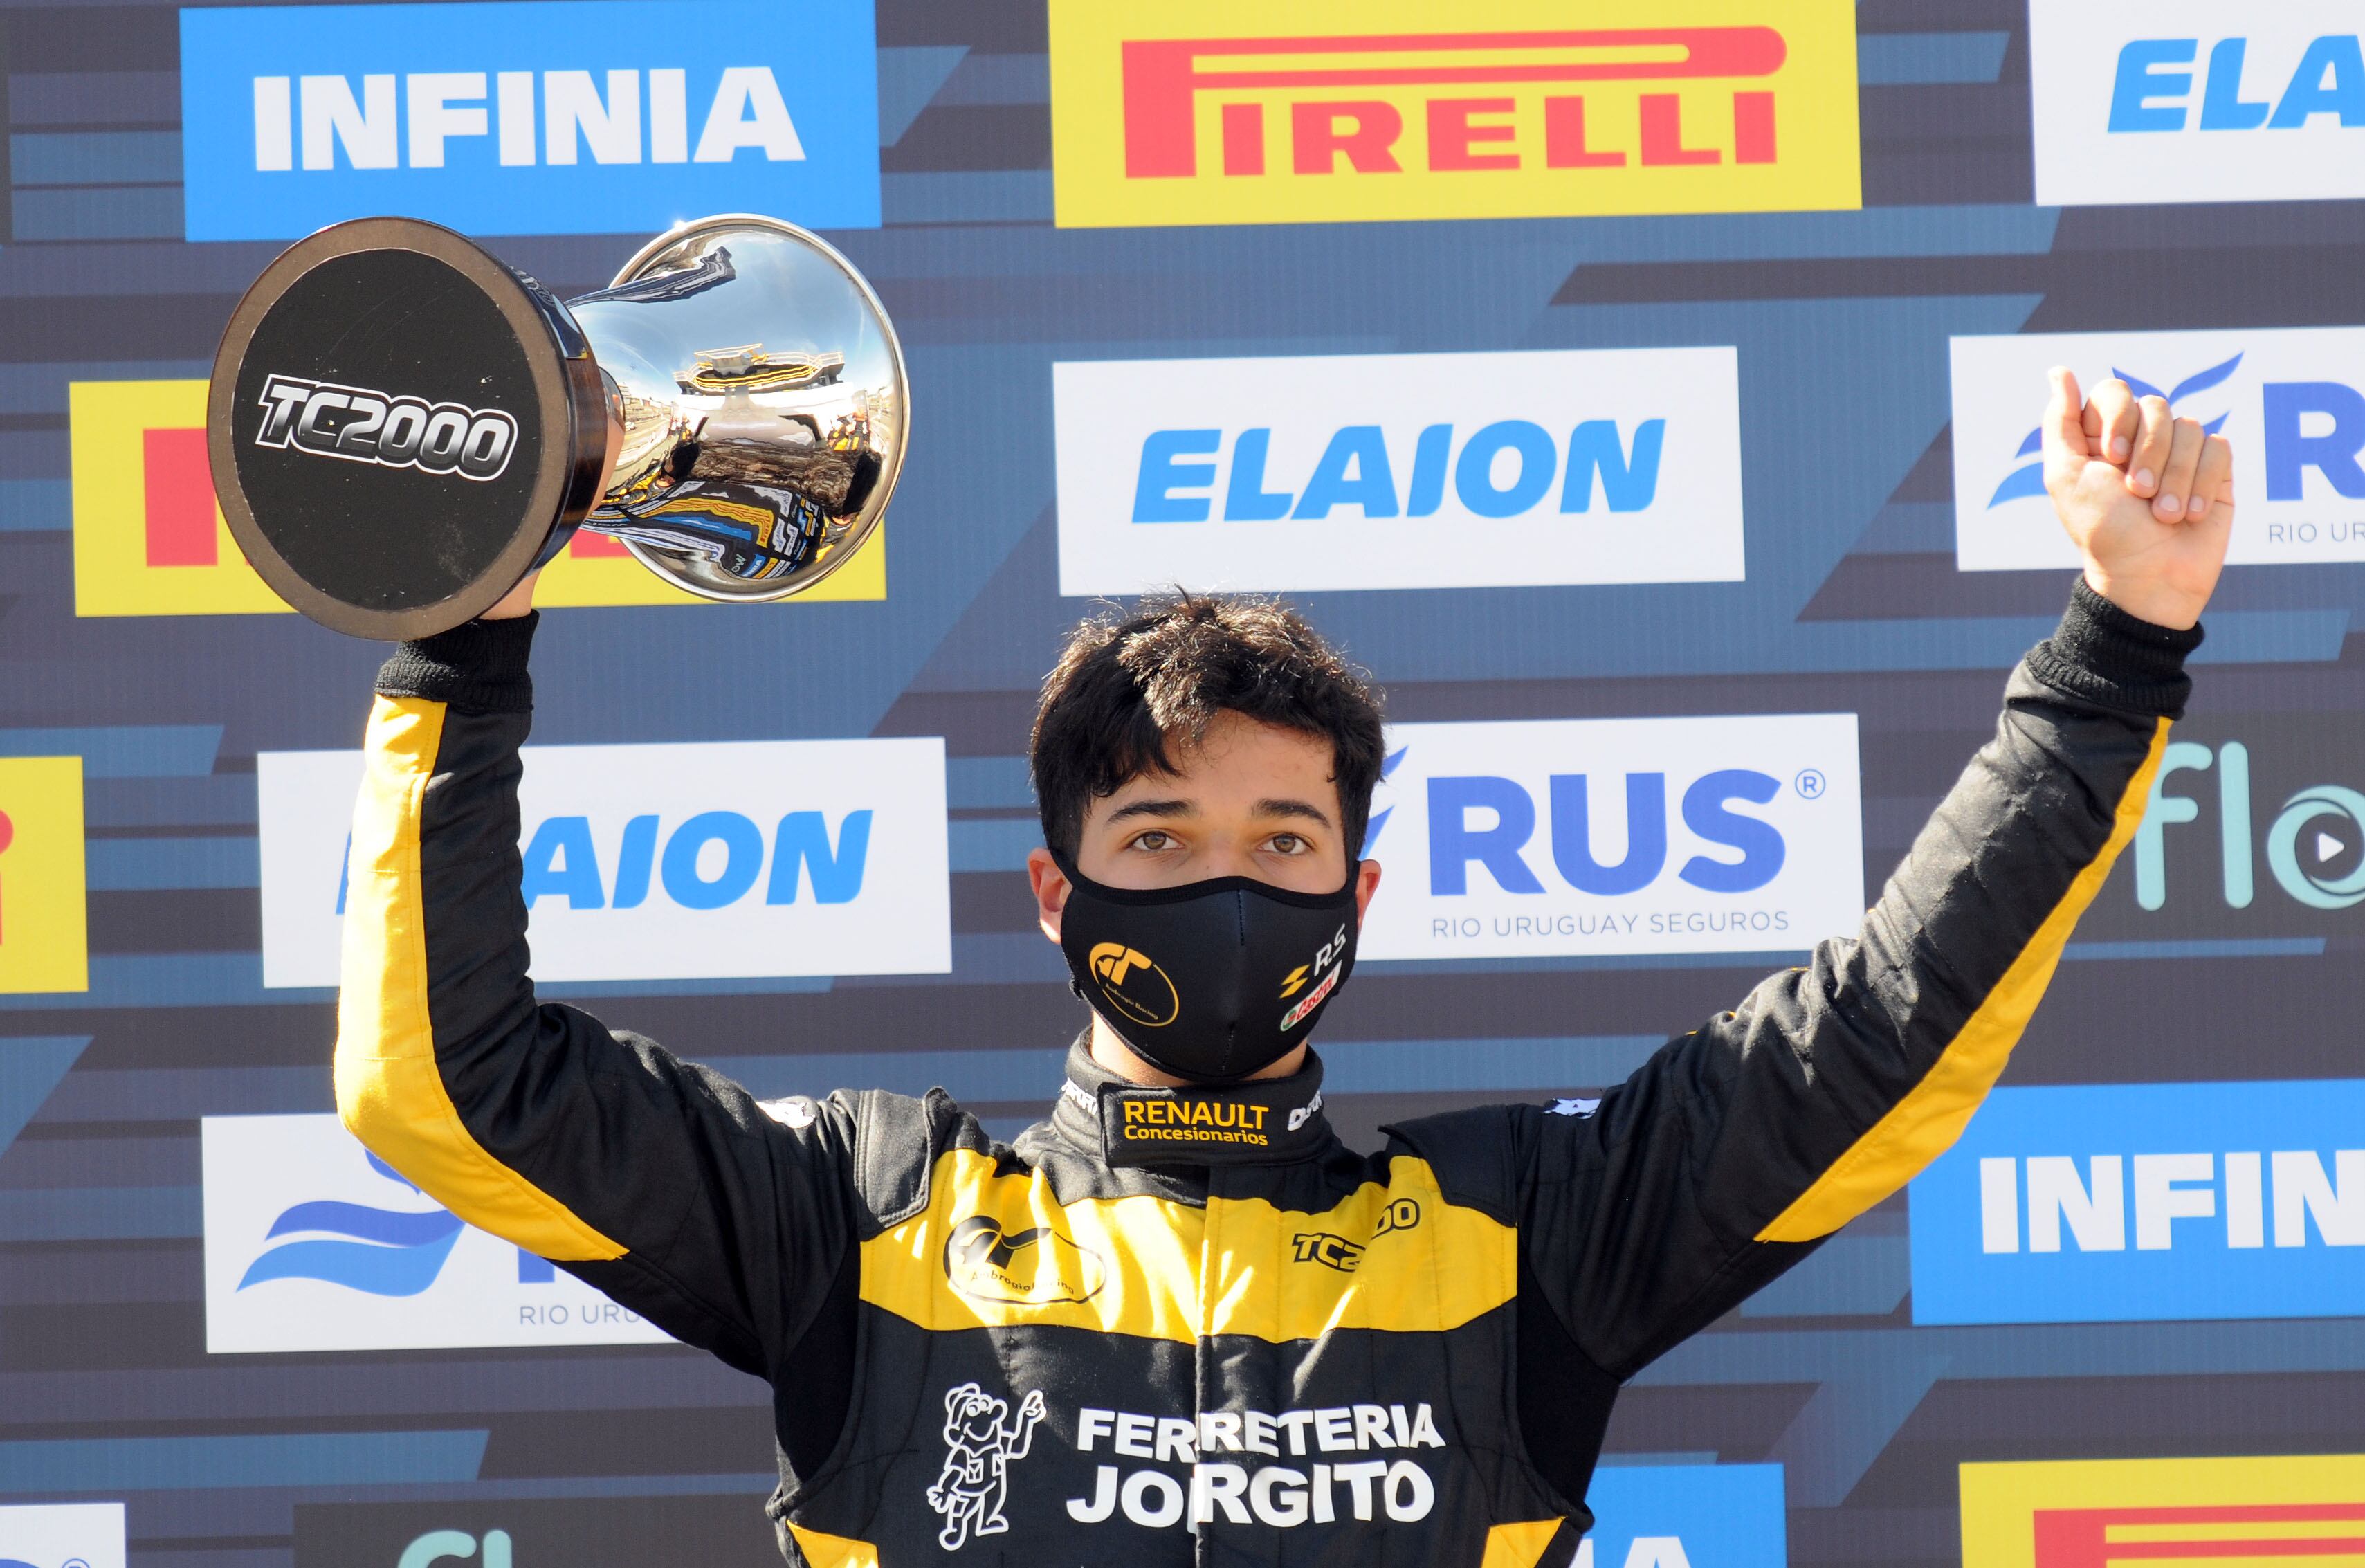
1153, 841
1288, 843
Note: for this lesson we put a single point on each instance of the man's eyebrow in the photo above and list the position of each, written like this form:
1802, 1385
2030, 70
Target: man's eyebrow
1170, 808
1284, 808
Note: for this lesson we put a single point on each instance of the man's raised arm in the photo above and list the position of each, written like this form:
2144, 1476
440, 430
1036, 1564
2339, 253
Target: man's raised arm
655, 1181
1736, 1147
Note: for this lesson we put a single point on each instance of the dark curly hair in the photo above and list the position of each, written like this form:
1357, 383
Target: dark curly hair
1127, 685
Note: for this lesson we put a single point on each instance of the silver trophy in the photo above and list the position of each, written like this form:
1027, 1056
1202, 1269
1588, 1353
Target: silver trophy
401, 426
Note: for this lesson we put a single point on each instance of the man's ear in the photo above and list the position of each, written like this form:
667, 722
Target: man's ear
1052, 889
1367, 882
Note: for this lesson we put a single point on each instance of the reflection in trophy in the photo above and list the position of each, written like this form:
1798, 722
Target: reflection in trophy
747, 380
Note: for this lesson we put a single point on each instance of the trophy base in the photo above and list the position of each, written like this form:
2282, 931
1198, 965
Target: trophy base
399, 425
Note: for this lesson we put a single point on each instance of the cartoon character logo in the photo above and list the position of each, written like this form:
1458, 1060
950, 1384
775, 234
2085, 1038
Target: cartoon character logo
981, 1442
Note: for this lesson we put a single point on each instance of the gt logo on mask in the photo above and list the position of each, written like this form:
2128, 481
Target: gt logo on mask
1135, 985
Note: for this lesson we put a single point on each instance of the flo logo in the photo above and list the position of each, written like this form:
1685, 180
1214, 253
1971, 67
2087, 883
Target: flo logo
2252, 831
2029, 479
1032, 1267
1135, 984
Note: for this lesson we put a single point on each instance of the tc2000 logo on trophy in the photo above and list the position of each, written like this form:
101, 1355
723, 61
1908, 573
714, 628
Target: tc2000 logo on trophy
393, 430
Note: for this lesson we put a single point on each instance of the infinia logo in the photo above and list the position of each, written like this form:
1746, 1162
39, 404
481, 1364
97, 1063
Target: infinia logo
1617, 835
2187, 101
752, 858
313, 1243
1400, 471
469, 114
1230, 112
2292, 401
2146, 1202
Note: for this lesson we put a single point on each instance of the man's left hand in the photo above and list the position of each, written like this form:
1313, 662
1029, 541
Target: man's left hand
2147, 497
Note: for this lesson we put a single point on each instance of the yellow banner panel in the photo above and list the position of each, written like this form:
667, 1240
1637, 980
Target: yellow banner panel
2288, 1511
44, 940
1327, 111
149, 538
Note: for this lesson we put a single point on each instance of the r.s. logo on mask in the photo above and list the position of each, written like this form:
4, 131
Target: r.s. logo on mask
1135, 985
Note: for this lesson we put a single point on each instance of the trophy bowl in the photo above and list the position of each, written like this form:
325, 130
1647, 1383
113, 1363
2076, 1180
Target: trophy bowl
401, 426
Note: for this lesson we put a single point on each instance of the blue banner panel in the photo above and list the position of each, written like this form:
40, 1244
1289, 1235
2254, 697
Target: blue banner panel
1686, 1515
2146, 1202
600, 118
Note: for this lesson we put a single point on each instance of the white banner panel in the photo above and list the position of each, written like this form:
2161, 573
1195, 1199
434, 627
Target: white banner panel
664, 862
1617, 835
314, 1244
62, 1535
2195, 100
2288, 400
1400, 471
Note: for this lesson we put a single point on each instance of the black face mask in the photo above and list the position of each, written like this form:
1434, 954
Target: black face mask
1212, 981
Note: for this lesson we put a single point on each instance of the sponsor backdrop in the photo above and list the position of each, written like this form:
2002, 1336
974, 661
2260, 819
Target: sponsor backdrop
1642, 391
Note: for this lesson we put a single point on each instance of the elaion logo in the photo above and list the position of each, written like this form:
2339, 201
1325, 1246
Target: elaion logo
1400, 471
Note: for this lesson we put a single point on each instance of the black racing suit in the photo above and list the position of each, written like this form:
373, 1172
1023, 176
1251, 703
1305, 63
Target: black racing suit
1168, 1327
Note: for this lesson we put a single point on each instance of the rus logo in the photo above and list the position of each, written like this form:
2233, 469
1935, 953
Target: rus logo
1218, 114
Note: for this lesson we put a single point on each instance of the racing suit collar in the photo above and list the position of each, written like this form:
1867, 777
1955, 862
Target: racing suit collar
1272, 1121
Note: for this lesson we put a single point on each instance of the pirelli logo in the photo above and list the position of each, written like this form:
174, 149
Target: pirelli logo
2119, 1513
1233, 112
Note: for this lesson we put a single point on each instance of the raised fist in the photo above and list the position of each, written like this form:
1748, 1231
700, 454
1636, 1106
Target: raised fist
2147, 497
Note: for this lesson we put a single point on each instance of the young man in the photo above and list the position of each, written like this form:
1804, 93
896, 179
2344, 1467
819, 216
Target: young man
1178, 1321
